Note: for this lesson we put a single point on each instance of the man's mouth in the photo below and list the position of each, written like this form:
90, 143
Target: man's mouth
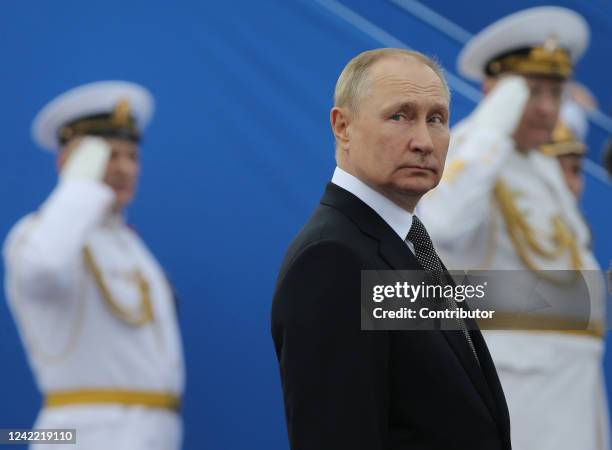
122, 187
541, 127
418, 167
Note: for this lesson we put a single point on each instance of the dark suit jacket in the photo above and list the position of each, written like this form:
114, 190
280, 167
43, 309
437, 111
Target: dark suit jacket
347, 389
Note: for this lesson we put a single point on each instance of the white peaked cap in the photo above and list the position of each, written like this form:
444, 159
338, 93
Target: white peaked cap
524, 29
100, 97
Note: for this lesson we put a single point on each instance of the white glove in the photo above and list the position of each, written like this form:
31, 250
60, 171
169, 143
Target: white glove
502, 108
88, 161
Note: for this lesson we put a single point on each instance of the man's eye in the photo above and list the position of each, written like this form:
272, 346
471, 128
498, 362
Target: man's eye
396, 117
436, 119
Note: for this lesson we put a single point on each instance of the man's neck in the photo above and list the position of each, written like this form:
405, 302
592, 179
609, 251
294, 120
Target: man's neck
404, 201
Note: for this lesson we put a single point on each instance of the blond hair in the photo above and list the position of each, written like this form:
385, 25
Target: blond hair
352, 82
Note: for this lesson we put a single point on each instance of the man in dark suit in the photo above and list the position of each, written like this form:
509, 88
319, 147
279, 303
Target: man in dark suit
345, 388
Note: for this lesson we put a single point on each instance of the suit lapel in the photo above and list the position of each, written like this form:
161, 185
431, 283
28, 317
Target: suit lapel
399, 257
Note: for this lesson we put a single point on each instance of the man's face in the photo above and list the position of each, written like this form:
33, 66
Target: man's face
122, 171
397, 140
572, 172
541, 112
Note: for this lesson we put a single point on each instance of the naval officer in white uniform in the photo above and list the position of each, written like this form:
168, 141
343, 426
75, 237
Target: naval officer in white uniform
568, 145
94, 310
503, 204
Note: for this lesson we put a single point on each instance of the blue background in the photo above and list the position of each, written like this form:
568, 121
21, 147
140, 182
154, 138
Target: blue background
234, 161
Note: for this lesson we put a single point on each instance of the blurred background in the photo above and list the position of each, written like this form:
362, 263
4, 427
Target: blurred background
235, 159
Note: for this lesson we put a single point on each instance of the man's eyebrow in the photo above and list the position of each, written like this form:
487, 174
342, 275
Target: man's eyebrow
407, 106
403, 106
439, 107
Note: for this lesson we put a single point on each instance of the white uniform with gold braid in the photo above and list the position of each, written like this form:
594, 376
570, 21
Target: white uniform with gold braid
84, 347
499, 209
97, 318
553, 382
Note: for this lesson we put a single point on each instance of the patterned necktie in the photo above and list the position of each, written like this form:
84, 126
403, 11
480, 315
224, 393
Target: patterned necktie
428, 258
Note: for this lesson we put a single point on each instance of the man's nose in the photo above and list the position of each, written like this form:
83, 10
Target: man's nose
547, 104
420, 139
126, 165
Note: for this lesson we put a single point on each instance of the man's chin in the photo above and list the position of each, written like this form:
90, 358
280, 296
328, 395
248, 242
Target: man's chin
416, 185
122, 200
414, 189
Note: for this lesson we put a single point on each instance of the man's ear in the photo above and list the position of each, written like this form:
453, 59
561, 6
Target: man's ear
61, 158
340, 120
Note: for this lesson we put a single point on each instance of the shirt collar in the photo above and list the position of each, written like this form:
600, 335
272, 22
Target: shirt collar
396, 217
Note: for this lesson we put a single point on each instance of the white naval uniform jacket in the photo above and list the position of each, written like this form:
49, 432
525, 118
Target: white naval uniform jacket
73, 339
553, 382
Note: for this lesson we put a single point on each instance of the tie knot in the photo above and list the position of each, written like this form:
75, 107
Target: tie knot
418, 234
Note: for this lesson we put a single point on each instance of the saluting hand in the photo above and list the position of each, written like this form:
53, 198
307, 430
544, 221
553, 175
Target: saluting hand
503, 106
88, 160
